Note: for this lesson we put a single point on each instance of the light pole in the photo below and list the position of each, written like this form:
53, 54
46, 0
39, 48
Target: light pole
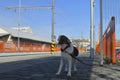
19, 11
52, 35
92, 30
32, 8
101, 25
52, 31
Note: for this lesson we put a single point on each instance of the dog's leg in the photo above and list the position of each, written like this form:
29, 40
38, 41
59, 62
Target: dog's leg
66, 67
74, 65
69, 67
60, 67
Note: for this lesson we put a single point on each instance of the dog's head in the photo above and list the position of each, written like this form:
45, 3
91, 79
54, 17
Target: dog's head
62, 39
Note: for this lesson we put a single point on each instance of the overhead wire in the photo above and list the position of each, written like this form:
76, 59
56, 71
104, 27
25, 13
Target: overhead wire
108, 9
115, 9
118, 11
113, 1
111, 8
117, 14
105, 12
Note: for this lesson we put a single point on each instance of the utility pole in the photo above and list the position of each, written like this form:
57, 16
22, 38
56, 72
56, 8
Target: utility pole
81, 40
32, 8
101, 48
92, 52
52, 30
53, 36
19, 25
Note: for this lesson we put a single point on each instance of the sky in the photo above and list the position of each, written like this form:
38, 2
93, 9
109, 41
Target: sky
72, 17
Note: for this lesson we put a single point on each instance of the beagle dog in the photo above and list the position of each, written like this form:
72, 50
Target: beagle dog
68, 51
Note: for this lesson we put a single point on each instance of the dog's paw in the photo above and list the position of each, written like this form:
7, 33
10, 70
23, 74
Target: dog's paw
75, 70
57, 73
65, 70
69, 75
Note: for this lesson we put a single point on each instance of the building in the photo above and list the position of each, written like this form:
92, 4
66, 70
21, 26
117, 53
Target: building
12, 41
82, 44
117, 44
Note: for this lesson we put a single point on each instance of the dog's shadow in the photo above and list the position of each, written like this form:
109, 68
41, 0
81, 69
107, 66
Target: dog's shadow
83, 71
63, 76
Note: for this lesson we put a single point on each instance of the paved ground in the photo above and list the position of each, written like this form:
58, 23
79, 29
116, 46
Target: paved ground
45, 67
11, 57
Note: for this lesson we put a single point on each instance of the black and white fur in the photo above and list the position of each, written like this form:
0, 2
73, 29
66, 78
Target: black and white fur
66, 59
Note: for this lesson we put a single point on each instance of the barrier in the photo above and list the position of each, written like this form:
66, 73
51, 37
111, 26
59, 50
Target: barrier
26, 47
1, 46
109, 42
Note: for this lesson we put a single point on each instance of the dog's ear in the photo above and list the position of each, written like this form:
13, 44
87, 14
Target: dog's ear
68, 41
58, 38
62, 39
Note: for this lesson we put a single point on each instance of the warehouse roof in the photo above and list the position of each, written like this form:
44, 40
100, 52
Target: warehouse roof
24, 35
3, 34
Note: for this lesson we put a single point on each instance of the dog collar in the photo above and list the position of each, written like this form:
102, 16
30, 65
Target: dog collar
65, 48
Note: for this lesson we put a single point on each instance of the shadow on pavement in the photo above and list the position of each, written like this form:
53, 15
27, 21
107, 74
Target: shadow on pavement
43, 69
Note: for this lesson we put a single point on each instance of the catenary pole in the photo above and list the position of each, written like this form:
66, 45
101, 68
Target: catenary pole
32, 8
92, 29
53, 36
101, 26
19, 11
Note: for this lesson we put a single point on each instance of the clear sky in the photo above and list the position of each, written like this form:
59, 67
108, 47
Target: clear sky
72, 17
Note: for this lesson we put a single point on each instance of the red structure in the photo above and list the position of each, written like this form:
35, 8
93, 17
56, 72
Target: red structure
26, 47
109, 42
29, 42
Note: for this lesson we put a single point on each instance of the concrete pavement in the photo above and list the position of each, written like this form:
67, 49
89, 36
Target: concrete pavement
46, 67
11, 57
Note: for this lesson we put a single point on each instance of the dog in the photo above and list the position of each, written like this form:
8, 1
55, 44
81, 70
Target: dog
67, 53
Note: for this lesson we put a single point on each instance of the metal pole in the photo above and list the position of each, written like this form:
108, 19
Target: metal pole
101, 25
19, 25
52, 20
92, 30
19, 8
52, 30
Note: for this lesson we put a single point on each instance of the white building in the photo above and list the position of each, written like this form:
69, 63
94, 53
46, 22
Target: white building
81, 42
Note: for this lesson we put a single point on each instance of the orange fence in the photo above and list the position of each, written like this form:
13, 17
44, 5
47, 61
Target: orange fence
29, 47
1, 46
25, 47
83, 49
109, 42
